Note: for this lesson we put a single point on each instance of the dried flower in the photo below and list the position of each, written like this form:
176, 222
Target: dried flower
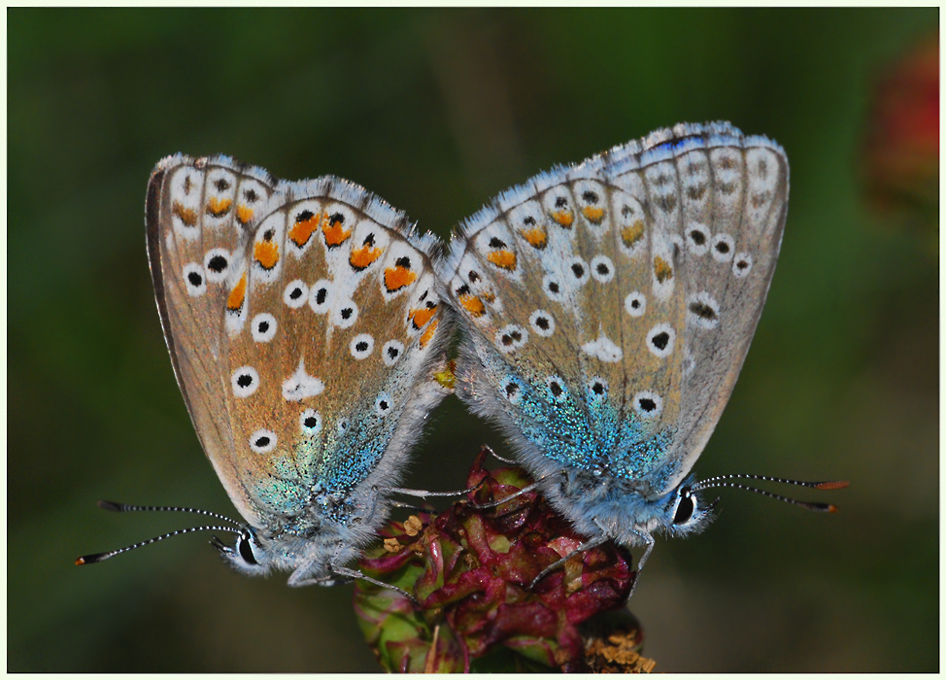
470, 570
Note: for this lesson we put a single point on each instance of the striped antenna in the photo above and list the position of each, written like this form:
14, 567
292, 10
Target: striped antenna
234, 528
724, 481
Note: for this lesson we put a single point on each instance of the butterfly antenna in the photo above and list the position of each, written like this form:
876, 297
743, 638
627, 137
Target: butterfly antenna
124, 507
724, 481
101, 557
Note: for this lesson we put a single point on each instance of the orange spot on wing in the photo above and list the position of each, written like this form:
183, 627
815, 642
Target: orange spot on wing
334, 232
564, 218
218, 207
632, 234
244, 213
364, 256
662, 269
536, 237
502, 258
301, 231
593, 214
429, 333
186, 215
472, 304
397, 277
266, 253
420, 317
235, 300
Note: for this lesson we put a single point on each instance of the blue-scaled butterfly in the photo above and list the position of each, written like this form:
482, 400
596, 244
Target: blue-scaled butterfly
305, 329
608, 308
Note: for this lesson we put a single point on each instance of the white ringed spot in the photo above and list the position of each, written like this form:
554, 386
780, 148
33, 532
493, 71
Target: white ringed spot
296, 294
602, 269
361, 346
310, 421
660, 340
320, 296
635, 303
703, 310
263, 441
244, 381
556, 387
382, 405
511, 337
263, 327
391, 352
648, 404
723, 247
345, 314
578, 269
217, 264
742, 265
542, 323
194, 279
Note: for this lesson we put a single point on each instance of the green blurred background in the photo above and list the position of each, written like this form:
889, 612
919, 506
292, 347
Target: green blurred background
437, 111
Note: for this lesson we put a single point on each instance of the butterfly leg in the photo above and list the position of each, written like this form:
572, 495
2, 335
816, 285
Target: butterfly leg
420, 493
648, 541
587, 545
498, 457
354, 574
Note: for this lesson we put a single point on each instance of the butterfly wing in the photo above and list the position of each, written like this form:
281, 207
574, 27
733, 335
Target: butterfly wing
198, 215
331, 353
609, 305
303, 356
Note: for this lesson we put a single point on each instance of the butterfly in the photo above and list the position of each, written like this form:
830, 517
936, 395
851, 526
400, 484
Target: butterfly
305, 329
607, 308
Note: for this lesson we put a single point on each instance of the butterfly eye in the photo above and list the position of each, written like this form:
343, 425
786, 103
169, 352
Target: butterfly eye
245, 548
685, 508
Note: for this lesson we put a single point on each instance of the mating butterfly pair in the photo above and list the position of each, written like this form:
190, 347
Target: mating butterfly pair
607, 308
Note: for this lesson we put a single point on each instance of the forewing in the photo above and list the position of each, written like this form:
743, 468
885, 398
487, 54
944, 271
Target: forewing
606, 324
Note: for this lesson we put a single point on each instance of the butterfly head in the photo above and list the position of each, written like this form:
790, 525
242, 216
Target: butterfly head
247, 555
688, 511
